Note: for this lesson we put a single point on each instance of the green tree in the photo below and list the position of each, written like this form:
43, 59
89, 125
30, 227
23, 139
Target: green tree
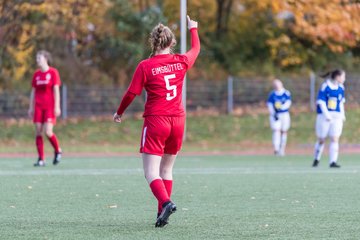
122, 50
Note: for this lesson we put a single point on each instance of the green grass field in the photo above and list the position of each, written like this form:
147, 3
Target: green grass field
204, 133
218, 197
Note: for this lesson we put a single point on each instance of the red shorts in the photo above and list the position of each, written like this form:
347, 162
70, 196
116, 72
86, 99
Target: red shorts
162, 134
42, 115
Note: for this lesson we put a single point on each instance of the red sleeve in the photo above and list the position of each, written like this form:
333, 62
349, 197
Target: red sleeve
195, 47
127, 99
33, 81
138, 80
57, 80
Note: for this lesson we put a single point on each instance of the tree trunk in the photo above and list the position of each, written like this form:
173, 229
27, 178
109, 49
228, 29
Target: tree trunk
222, 16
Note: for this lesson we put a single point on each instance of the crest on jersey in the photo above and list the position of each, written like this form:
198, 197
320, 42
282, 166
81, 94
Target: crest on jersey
48, 76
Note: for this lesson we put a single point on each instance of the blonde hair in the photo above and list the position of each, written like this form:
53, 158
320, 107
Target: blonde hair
160, 38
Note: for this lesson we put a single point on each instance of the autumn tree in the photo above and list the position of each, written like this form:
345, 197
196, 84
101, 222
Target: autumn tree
27, 26
101, 41
315, 31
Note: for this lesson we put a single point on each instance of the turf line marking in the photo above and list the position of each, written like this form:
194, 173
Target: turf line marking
180, 171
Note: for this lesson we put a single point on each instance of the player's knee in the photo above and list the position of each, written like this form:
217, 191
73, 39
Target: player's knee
165, 172
150, 176
147, 177
321, 140
334, 139
49, 133
38, 131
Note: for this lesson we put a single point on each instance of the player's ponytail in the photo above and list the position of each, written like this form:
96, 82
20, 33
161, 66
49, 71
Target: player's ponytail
332, 74
160, 38
46, 55
325, 75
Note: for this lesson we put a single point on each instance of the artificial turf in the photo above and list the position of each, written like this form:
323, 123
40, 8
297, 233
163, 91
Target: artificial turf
218, 197
204, 133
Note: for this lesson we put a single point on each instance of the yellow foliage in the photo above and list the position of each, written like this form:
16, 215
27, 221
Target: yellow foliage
333, 22
21, 52
281, 48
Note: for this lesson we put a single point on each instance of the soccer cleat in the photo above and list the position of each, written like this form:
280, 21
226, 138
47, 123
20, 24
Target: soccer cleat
39, 163
57, 158
168, 209
334, 165
315, 163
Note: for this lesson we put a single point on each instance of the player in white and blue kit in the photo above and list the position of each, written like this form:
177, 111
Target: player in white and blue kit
330, 116
279, 103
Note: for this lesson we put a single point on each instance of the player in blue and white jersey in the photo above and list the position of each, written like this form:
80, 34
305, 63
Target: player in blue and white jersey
330, 116
279, 103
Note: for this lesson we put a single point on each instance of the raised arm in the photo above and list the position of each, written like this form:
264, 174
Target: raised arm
195, 42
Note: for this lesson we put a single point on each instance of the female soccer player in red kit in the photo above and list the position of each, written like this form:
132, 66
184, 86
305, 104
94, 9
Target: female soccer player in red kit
45, 105
162, 76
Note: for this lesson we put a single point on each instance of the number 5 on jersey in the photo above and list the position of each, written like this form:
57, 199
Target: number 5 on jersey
169, 87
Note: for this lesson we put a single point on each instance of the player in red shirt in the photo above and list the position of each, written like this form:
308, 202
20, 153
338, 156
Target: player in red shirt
45, 105
162, 76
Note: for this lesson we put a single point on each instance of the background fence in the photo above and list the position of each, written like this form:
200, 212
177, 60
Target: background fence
223, 96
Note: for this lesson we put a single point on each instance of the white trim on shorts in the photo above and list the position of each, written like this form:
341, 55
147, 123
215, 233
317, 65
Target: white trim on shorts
144, 137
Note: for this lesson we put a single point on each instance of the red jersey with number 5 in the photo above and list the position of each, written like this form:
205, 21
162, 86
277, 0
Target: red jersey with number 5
44, 83
162, 76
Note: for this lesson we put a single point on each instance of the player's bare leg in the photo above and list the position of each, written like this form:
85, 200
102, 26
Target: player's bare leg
283, 141
54, 142
319, 148
39, 145
334, 152
151, 164
276, 141
166, 166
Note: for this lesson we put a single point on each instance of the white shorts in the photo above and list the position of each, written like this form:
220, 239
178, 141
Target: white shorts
282, 124
325, 128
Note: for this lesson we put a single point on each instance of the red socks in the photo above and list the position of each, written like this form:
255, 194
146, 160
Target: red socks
158, 188
54, 142
168, 186
40, 147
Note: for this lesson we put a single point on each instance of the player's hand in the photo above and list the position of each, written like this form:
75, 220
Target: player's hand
191, 23
30, 113
276, 117
57, 112
117, 118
